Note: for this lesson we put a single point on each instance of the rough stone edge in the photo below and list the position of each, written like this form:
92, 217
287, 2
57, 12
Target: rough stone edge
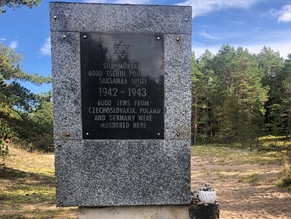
177, 86
135, 18
66, 85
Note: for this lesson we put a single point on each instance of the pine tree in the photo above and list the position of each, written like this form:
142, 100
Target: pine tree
17, 103
17, 3
239, 76
272, 64
286, 96
202, 80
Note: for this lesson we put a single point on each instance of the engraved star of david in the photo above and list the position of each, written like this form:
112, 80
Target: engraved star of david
122, 49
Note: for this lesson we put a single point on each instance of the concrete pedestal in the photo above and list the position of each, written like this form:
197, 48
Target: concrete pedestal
136, 212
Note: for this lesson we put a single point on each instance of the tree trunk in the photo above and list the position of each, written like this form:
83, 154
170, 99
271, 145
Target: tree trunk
195, 119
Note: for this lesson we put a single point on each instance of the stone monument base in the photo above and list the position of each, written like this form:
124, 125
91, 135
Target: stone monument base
136, 212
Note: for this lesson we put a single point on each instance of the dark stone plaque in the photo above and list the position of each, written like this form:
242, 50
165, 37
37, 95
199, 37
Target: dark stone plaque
122, 85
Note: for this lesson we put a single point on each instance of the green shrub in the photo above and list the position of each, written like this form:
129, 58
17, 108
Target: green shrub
4, 151
285, 177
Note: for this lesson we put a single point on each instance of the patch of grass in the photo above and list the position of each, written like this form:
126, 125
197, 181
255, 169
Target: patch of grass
14, 216
68, 213
285, 176
274, 143
237, 156
28, 194
220, 174
253, 179
285, 182
27, 187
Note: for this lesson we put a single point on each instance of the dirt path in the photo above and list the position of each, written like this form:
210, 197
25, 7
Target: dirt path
243, 191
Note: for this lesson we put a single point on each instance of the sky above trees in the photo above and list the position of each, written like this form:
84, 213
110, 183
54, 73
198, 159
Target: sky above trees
251, 24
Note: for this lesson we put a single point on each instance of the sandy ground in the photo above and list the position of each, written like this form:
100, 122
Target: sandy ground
243, 191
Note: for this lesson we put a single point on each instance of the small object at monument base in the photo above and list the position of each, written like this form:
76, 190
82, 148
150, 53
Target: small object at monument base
203, 204
204, 211
207, 196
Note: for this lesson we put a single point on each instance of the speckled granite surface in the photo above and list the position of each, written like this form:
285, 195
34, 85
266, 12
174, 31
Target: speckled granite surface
78, 17
121, 172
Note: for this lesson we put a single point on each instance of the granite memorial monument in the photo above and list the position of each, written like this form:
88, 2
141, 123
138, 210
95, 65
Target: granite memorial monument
122, 104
